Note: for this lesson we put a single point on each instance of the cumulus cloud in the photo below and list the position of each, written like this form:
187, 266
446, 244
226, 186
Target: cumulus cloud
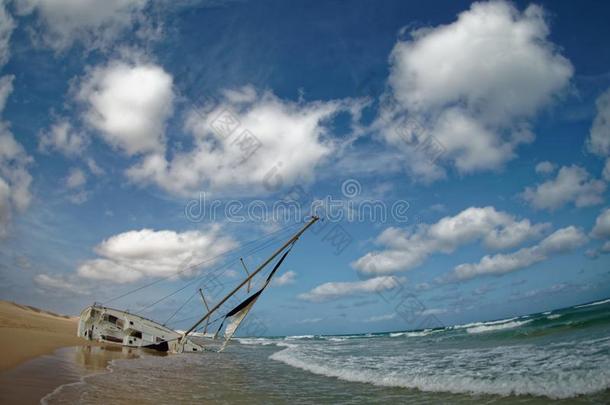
254, 141
335, 290
133, 255
7, 25
601, 229
288, 277
545, 167
406, 249
561, 241
62, 137
599, 136
479, 112
93, 23
573, 184
15, 179
128, 103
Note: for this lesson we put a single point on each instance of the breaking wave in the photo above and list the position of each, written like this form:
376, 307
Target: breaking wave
508, 371
496, 326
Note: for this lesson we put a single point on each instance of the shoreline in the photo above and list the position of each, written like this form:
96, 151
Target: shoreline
27, 333
41, 354
40, 379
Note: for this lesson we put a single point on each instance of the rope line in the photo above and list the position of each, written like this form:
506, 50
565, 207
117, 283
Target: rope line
197, 264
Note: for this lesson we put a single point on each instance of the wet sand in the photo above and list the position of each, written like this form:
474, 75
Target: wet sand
28, 332
41, 352
44, 376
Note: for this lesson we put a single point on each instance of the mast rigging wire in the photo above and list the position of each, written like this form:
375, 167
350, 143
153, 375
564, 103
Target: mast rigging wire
198, 264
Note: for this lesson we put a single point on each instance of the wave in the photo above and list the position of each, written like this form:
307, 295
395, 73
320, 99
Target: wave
594, 303
496, 326
483, 323
457, 382
256, 341
508, 370
554, 316
420, 333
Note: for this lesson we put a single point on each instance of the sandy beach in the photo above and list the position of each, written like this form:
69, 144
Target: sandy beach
28, 332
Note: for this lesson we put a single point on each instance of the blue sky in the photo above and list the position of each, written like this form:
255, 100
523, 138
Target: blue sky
489, 121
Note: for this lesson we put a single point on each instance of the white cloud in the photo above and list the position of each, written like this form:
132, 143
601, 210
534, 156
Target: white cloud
545, 167
79, 197
60, 285
93, 167
433, 311
334, 290
478, 111
62, 138
561, 241
288, 277
599, 137
406, 249
606, 171
129, 103
380, 318
6, 88
601, 229
573, 184
292, 138
7, 25
132, 255
310, 320
76, 178
15, 179
94, 23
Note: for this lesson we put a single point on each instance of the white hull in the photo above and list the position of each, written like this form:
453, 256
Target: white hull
108, 325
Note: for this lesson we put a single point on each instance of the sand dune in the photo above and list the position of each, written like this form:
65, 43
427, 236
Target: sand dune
27, 332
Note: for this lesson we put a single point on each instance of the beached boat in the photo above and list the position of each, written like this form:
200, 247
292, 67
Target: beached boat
109, 325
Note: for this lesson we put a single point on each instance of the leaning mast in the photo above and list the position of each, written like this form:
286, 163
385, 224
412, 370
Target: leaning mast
292, 240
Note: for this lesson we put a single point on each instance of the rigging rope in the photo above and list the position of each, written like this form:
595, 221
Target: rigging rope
178, 310
251, 252
198, 264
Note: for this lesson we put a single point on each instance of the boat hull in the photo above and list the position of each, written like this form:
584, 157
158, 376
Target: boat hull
109, 325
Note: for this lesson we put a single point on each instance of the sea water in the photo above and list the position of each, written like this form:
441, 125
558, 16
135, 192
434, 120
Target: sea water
561, 355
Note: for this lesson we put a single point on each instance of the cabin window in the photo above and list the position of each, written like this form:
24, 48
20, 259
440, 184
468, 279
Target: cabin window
158, 339
119, 323
131, 322
111, 318
136, 334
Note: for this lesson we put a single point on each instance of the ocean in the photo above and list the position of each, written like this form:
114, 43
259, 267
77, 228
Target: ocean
561, 356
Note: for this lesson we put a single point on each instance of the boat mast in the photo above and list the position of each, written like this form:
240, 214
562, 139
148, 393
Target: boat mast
294, 238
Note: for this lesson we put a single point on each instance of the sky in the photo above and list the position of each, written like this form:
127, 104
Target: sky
457, 152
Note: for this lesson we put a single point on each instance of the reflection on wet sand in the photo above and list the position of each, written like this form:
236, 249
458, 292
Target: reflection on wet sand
31, 381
